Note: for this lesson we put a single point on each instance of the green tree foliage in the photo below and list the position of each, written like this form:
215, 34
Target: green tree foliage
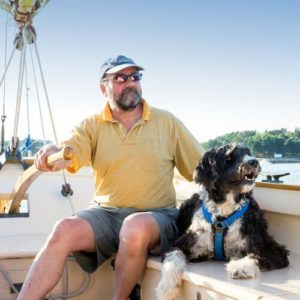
262, 144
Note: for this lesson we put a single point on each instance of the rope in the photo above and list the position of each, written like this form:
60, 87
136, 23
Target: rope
69, 198
37, 95
83, 287
19, 94
65, 281
50, 114
8, 280
65, 294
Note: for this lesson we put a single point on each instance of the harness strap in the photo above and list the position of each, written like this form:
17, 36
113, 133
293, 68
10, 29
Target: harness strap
220, 228
219, 235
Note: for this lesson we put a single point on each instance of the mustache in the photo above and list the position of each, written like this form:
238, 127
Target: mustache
129, 90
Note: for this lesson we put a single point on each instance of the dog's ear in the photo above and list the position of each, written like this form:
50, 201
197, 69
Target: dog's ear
212, 162
223, 154
203, 173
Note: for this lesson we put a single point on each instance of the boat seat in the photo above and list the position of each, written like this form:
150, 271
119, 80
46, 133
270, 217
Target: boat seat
209, 280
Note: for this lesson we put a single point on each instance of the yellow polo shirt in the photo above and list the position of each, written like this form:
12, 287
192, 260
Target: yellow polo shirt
135, 168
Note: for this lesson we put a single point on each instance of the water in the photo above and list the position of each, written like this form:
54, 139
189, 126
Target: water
292, 168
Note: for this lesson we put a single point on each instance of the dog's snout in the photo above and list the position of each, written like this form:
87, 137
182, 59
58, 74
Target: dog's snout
253, 162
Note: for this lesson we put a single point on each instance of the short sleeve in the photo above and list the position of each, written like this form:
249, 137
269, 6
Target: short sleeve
188, 150
83, 140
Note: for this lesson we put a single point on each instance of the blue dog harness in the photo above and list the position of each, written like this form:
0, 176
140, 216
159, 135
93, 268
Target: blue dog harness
220, 227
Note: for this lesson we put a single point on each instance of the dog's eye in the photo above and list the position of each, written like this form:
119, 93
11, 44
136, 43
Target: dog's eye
230, 158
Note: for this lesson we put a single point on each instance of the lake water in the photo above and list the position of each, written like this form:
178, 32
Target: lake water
292, 168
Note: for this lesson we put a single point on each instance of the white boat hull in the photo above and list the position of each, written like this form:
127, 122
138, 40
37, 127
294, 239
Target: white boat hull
22, 237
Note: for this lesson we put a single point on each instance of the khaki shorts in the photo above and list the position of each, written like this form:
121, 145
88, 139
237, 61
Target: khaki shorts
106, 224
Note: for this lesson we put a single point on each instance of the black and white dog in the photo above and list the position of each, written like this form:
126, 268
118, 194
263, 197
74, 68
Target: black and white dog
222, 222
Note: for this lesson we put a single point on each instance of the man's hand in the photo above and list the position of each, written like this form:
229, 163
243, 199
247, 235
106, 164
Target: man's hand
41, 157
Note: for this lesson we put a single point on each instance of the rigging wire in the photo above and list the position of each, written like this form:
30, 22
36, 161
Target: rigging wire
46, 92
5, 62
38, 96
6, 68
20, 44
51, 118
27, 96
19, 95
3, 116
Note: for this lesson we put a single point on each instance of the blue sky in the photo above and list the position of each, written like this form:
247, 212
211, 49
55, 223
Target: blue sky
220, 66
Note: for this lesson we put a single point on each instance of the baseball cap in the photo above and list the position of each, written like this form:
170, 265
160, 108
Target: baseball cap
117, 63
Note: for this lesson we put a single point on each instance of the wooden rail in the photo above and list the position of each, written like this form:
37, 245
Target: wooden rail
279, 186
25, 180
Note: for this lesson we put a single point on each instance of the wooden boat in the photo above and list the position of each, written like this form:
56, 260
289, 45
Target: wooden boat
22, 234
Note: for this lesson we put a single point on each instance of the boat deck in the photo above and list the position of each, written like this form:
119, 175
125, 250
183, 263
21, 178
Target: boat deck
211, 278
207, 279
22, 237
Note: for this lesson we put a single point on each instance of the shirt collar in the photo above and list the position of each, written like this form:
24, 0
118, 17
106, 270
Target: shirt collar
146, 115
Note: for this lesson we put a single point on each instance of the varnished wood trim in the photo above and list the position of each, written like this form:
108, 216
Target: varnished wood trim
279, 186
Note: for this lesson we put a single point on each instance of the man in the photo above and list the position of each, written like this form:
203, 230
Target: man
132, 150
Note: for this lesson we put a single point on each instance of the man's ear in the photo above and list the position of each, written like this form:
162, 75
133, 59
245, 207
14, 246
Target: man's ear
103, 89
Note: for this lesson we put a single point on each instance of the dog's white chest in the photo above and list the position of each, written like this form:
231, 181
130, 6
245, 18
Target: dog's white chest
204, 245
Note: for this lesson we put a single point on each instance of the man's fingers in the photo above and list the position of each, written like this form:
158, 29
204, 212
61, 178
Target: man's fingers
60, 165
41, 156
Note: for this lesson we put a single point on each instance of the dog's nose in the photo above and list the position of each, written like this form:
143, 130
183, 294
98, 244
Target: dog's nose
253, 162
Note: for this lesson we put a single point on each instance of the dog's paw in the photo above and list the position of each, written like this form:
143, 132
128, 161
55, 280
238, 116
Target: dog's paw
245, 267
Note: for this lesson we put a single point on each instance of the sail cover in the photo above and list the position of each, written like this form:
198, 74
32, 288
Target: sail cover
23, 10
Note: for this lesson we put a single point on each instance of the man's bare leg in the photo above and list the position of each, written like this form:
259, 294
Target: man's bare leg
139, 233
68, 235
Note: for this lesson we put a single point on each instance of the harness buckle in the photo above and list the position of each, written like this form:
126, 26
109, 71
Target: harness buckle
219, 227
219, 241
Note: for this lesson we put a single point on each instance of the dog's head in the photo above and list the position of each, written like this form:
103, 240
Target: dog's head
227, 170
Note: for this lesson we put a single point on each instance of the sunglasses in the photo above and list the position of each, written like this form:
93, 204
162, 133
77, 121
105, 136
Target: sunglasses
121, 78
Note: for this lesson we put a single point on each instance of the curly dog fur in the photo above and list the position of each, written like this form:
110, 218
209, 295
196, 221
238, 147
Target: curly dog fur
226, 176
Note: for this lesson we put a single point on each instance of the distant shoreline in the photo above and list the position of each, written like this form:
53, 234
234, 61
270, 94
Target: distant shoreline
282, 160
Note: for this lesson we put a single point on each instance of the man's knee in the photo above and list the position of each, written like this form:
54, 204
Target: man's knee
71, 234
60, 234
140, 232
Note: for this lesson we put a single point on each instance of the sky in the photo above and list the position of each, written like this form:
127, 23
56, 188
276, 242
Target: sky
219, 66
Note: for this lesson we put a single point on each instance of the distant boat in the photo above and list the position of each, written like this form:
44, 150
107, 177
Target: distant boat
284, 160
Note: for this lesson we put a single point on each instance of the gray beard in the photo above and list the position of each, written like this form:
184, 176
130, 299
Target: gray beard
129, 99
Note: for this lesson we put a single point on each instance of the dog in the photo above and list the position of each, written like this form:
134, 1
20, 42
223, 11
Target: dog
222, 222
